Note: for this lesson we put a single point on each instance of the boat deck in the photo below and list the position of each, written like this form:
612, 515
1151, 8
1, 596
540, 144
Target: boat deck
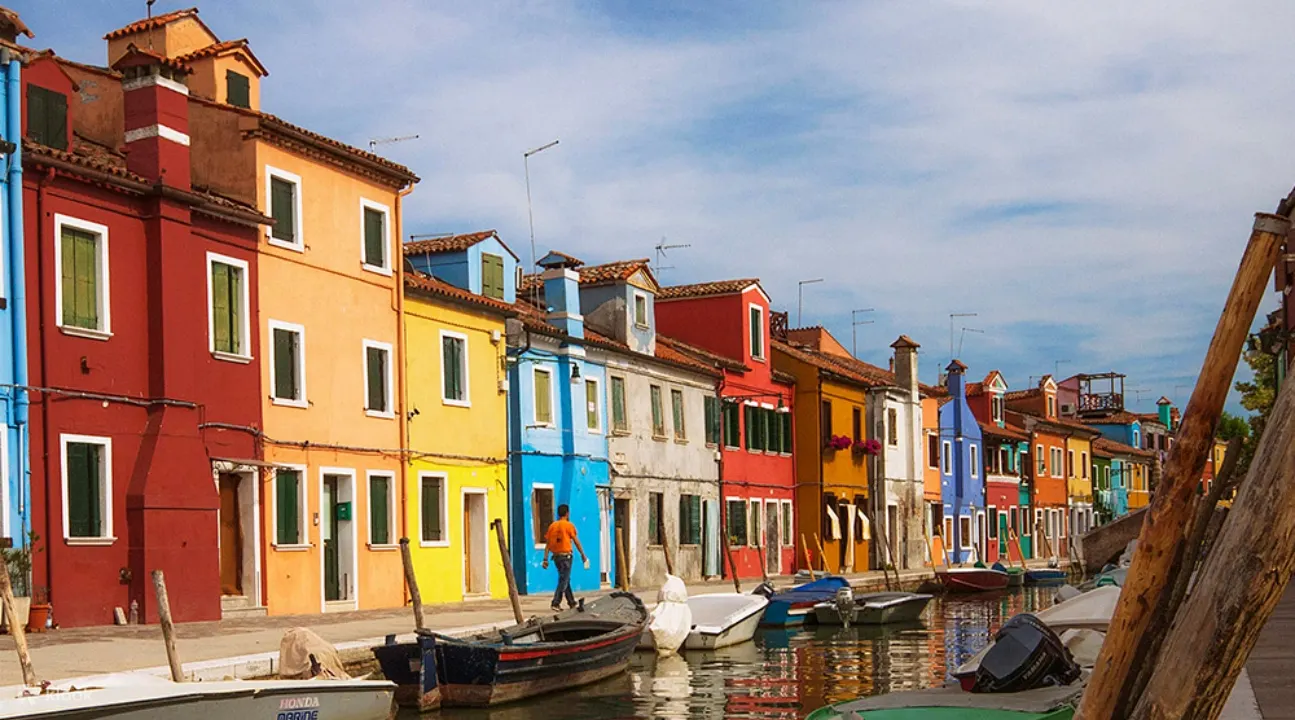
1272, 663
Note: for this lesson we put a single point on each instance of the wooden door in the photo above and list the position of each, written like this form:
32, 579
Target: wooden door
468, 536
332, 574
231, 537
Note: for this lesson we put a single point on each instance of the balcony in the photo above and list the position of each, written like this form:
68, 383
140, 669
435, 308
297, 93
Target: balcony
1099, 404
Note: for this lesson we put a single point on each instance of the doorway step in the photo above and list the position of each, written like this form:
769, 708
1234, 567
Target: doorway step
239, 606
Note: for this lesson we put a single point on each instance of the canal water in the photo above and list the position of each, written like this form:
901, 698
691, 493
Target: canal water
786, 674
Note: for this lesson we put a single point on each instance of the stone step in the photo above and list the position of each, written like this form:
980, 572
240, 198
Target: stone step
239, 606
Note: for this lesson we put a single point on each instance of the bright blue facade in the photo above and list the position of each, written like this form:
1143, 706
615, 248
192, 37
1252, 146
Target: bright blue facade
462, 268
16, 485
1129, 433
1119, 487
962, 482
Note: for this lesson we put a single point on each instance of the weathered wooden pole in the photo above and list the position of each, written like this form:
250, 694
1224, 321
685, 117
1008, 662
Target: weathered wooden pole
622, 562
809, 561
822, 553
411, 580
16, 629
1237, 588
513, 595
1170, 512
728, 553
665, 550
168, 628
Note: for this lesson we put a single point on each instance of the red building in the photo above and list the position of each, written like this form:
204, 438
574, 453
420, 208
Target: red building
727, 324
141, 331
1007, 507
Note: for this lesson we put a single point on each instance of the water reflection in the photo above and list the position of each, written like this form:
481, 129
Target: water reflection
786, 674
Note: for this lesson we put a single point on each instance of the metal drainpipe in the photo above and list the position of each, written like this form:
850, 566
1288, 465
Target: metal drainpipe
398, 264
719, 478
41, 241
17, 277
819, 509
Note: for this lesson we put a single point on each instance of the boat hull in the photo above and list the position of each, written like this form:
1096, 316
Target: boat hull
795, 606
971, 580
884, 609
780, 614
1043, 576
740, 632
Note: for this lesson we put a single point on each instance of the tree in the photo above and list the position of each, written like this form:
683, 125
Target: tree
1257, 396
1233, 426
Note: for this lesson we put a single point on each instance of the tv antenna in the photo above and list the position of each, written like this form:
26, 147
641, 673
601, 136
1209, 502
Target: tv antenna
661, 248
962, 338
375, 142
854, 329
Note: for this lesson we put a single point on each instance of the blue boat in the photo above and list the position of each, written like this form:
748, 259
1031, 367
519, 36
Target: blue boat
791, 607
1044, 576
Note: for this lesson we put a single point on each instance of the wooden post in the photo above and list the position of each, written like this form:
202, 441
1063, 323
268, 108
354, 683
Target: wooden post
728, 553
16, 629
885, 541
1241, 582
822, 553
809, 561
759, 551
1170, 512
513, 595
665, 549
622, 562
411, 581
168, 629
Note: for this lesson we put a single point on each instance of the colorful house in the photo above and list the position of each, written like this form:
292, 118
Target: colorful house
1109, 501
1130, 470
455, 484
557, 441
1008, 515
15, 459
726, 323
1079, 481
932, 482
962, 468
1035, 411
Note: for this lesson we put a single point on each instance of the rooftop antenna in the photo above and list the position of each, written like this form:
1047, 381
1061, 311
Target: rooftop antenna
661, 247
800, 298
375, 142
854, 329
962, 338
530, 216
951, 317
148, 6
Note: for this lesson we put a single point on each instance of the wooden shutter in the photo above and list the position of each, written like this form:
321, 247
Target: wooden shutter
286, 347
591, 404
658, 413
676, 407
618, 404
694, 519
237, 89
220, 307
492, 276
80, 275
47, 117
379, 507
654, 518
786, 433
543, 397
84, 490
287, 507
376, 368
283, 209
452, 357
375, 238
431, 510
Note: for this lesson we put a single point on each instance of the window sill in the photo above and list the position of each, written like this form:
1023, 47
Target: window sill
291, 548
90, 541
681, 441
231, 357
434, 544
642, 326
383, 547
86, 333
295, 247
660, 438
456, 403
376, 269
540, 426
380, 414
281, 402
620, 433
732, 447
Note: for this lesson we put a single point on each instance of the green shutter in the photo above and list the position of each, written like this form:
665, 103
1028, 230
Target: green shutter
732, 425
375, 238
47, 117
618, 404
286, 382
750, 425
37, 113
591, 405
283, 209
543, 398
658, 413
654, 519
431, 510
80, 274
786, 433
379, 507
376, 367
676, 408
452, 357
237, 89
492, 276
84, 489
287, 507
225, 310
711, 406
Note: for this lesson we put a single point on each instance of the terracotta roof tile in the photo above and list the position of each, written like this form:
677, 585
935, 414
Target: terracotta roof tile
1006, 432
137, 56
664, 354
11, 17
975, 388
154, 22
1020, 394
563, 259
88, 156
718, 287
702, 355
612, 272
826, 364
420, 283
223, 47
1118, 448
452, 243
782, 377
905, 341
282, 125
1123, 417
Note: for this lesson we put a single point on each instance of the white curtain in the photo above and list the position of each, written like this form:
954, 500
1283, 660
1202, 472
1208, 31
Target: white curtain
849, 540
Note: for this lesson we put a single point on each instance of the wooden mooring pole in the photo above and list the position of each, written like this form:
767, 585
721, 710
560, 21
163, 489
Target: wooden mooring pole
728, 553
168, 628
16, 629
622, 561
411, 580
1167, 519
513, 596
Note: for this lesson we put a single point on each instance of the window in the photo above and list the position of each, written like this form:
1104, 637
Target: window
825, 421
454, 369
786, 432
375, 237
237, 90
287, 364
640, 310
1136, 442
753, 525
689, 520
289, 507
492, 276
658, 413
1052, 406
377, 379
227, 318
1084, 458
1042, 460
856, 424
1005, 459
542, 512
47, 117
964, 532
1106, 472
735, 516
381, 500
543, 396
620, 421
1025, 521
87, 488
676, 408
787, 539
711, 404
732, 425
593, 410
656, 518
1070, 463
996, 407
993, 523
756, 429
892, 422
947, 462
975, 460
757, 332
1057, 460
283, 190
82, 294
432, 510
932, 451
772, 430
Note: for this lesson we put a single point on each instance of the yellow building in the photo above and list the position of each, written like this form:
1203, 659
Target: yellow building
1079, 479
1139, 484
456, 481
326, 335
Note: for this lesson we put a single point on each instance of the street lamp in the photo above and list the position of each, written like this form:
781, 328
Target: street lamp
530, 216
800, 298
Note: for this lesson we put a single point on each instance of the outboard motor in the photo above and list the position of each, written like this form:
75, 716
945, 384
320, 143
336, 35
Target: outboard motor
1026, 655
764, 589
845, 604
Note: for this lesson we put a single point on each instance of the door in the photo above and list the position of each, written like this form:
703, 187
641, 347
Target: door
231, 537
772, 543
604, 536
475, 552
621, 522
982, 536
332, 567
1002, 535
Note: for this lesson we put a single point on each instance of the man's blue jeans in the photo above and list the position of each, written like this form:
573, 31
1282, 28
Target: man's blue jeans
562, 561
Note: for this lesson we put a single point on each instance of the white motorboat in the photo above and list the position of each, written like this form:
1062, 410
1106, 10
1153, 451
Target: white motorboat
137, 696
723, 619
1092, 610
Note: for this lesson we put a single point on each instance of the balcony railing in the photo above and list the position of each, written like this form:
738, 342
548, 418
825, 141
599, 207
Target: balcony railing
1099, 403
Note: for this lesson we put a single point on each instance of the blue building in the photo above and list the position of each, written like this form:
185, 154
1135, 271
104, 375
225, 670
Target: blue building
16, 486
962, 482
477, 262
557, 439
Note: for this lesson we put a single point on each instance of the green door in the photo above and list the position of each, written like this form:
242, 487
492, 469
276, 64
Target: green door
332, 588
1002, 535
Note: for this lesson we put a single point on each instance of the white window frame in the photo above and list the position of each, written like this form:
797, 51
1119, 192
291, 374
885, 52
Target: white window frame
1083, 459
996, 407
753, 533
1070, 463
946, 457
467, 392
553, 406
105, 499
102, 282
390, 412
646, 321
444, 542
300, 330
974, 452
751, 331
963, 536
245, 329
598, 403
385, 268
788, 511
303, 494
1058, 458
271, 173
932, 436
530, 502
1038, 455
392, 516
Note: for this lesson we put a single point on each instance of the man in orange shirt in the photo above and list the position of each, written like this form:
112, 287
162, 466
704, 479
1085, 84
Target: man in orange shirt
558, 540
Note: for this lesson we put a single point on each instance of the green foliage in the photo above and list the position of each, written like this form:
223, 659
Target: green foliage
1233, 426
1258, 396
18, 561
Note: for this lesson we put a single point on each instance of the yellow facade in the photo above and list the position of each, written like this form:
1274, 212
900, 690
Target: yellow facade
1139, 492
460, 447
1079, 481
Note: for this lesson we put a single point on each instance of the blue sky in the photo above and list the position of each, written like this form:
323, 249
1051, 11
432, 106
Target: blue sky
1080, 175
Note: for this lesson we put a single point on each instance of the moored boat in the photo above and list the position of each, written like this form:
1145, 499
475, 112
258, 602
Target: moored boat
723, 619
1044, 576
971, 579
1015, 575
792, 607
877, 608
952, 703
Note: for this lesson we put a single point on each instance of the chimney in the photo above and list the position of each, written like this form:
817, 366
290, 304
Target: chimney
904, 364
1166, 411
957, 379
1172, 425
156, 103
562, 293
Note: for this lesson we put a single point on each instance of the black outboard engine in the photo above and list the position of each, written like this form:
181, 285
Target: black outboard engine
764, 589
1026, 655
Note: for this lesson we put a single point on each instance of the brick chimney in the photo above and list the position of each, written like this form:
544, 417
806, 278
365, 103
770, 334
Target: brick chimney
904, 364
156, 103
